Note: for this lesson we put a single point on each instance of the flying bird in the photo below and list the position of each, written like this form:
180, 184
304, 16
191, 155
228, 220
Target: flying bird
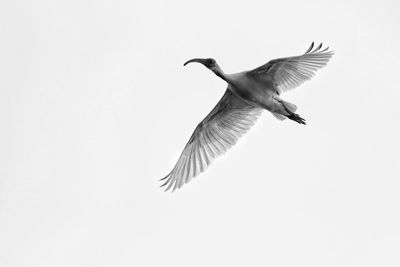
248, 94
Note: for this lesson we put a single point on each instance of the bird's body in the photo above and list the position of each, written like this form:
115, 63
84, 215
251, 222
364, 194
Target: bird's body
247, 95
252, 88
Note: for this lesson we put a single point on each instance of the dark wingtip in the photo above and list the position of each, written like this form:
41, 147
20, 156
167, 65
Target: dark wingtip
310, 48
165, 177
317, 48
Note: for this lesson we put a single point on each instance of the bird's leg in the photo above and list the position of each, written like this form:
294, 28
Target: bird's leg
292, 116
295, 117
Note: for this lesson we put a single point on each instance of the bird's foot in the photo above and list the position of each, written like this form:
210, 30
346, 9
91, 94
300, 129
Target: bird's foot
295, 117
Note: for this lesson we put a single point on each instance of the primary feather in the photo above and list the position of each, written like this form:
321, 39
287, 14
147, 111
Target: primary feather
290, 72
219, 131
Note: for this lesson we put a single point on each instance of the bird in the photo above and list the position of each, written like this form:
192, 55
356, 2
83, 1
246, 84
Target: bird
247, 95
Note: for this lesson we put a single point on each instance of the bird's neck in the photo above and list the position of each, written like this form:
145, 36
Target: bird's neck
217, 70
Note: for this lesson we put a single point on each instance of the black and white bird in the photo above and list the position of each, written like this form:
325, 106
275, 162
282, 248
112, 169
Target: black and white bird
247, 95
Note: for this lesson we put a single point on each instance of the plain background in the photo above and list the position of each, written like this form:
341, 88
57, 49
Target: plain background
95, 107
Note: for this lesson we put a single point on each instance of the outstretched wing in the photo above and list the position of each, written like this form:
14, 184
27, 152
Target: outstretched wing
288, 73
219, 131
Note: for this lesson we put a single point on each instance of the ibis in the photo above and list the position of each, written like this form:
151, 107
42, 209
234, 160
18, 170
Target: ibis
248, 94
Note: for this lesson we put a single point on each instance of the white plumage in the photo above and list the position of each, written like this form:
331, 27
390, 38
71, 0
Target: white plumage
247, 95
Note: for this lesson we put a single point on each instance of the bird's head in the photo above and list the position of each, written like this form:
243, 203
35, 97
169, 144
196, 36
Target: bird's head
210, 63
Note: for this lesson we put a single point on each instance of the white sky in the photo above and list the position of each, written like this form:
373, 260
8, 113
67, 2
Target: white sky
95, 107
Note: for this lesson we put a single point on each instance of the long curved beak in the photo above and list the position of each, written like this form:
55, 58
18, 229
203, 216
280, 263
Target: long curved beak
198, 60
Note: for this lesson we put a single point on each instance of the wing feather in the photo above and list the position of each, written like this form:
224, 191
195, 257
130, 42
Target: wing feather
219, 131
290, 72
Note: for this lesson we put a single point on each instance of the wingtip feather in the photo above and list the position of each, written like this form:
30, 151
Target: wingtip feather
310, 48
